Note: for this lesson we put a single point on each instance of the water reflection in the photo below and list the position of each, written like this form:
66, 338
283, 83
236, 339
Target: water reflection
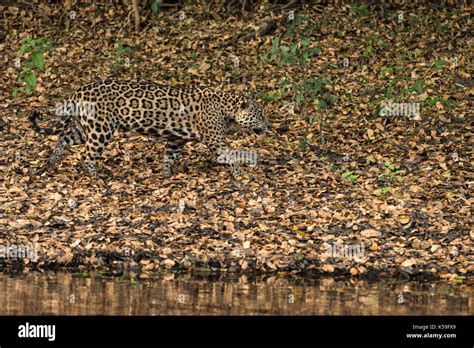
67, 294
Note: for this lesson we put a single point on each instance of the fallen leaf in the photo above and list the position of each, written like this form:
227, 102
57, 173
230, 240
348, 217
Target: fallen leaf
370, 233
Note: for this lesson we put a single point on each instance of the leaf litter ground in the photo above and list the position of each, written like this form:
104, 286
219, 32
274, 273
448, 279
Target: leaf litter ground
355, 193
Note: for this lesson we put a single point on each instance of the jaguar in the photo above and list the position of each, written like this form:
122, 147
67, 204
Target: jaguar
174, 114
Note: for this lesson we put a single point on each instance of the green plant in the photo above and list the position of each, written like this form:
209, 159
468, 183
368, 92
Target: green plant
432, 101
271, 96
395, 91
389, 70
418, 87
295, 48
391, 173
368, 51
120, 52
376, 101
155, 5
414, 21
439, 64
297, 52
35, 61
389, 92
298, 26
350, 96
440, 27
303, 144
376, 39
382, 191
360, 10
310, 89
350, 176
390, 166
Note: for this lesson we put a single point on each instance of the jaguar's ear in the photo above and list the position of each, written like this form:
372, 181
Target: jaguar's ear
244, 105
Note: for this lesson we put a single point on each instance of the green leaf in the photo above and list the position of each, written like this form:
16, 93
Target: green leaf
303, 61
155, 6
376, 101
417, 87
390, 166
383, 191
439, 64
350, 176
84, 4
23, 49
322, 104
38, 60
276, 43
29, 89
271, 96
433, 101
285, 82
369, 51
305, 42
298, 99
25, 71
386, 70
29, 41
31, 79
294, 47
350, 96
360, 10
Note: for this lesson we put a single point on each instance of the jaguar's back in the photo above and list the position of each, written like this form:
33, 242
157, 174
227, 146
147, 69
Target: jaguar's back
144, 107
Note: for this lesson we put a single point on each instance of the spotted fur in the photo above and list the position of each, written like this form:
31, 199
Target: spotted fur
175, 114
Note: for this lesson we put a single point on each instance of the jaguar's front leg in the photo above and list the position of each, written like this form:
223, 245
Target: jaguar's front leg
223, 154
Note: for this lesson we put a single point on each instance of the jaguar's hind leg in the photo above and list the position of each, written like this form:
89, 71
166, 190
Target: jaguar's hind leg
173, 151
95, 145
65, 140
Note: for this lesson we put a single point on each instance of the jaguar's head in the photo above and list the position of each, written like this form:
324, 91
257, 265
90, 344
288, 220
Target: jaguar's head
251, 115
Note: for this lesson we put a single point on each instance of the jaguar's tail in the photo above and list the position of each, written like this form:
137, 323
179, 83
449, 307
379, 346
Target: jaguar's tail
48, 131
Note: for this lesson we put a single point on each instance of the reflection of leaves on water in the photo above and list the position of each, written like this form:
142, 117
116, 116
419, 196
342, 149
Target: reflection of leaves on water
185, 295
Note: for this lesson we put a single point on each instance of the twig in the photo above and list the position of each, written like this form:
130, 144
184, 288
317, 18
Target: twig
137, 15
267, 27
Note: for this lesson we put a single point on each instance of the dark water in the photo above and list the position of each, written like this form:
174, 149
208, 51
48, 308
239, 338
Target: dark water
68, 294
